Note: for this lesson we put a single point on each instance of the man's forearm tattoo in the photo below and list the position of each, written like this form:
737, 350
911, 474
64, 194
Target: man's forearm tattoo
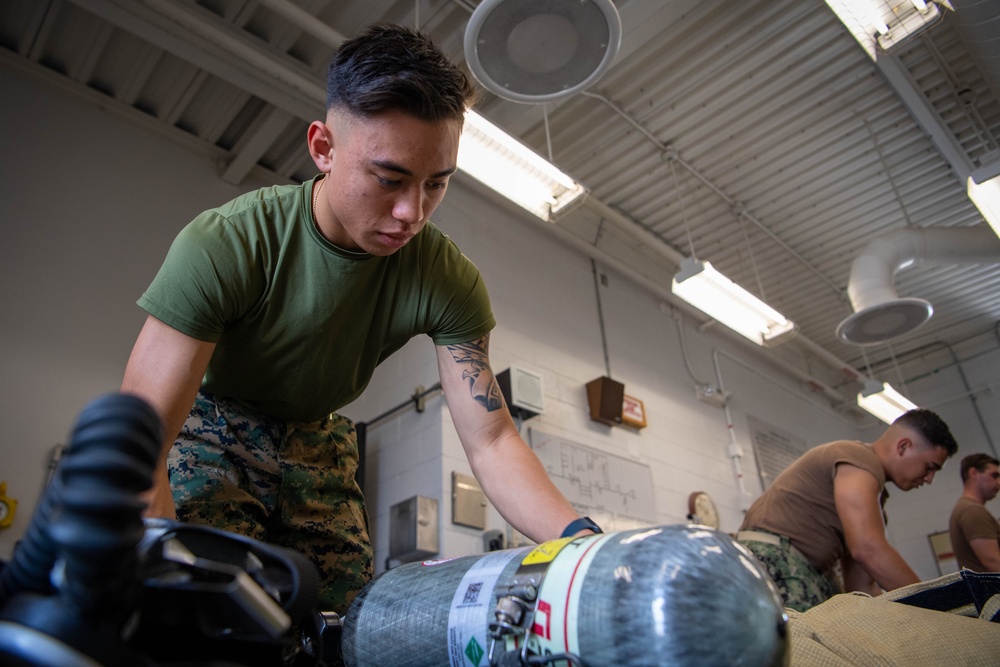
482, 383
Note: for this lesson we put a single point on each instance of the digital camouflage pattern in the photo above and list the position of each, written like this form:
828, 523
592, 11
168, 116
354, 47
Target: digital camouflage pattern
286, 483
801, 585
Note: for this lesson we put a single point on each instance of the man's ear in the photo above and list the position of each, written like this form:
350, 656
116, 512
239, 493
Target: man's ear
319, 139
903, 444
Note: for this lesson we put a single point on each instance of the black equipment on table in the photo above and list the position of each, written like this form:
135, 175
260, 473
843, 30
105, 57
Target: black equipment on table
92, 584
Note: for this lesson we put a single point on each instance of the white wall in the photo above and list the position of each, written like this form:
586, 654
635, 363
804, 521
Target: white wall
91, 203
89, 207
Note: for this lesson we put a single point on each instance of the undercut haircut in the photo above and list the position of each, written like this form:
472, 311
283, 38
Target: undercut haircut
930, 426
977, 461
388, 68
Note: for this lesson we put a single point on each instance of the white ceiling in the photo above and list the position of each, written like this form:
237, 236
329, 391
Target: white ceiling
756, 134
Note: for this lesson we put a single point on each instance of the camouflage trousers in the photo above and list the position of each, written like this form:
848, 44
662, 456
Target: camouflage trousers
286, 483
801, 585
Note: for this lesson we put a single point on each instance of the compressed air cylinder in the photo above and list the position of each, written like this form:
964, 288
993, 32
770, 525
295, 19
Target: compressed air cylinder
667, 595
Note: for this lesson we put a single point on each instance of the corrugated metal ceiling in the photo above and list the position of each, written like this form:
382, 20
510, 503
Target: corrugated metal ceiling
756, 134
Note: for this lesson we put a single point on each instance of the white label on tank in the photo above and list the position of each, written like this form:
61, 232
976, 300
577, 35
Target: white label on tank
554, 630
472, 606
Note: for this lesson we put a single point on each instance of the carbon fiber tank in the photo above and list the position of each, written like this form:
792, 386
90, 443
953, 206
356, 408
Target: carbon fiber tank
669, 595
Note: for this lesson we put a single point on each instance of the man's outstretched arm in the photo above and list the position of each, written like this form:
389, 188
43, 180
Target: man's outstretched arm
511, 475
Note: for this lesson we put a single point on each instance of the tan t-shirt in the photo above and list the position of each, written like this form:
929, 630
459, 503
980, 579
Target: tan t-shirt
970, 521
799, 504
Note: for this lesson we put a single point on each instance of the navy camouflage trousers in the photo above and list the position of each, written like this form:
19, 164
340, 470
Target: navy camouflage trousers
801, 585
286, 483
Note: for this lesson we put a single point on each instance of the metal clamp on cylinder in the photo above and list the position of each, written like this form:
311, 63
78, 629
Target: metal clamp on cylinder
513, 614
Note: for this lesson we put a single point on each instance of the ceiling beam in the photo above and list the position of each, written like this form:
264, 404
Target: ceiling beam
254, 144
202, 39
899, 79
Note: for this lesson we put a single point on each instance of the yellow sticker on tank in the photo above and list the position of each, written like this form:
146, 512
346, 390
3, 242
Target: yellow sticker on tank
546, 551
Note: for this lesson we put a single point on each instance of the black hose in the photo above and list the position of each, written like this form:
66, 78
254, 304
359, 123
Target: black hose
90, 515
28, 569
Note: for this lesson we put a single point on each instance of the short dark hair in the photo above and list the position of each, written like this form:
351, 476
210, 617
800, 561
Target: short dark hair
977, 461
390, 67
929, 425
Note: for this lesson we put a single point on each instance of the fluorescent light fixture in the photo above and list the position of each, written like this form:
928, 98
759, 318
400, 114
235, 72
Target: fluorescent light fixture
986, 197
717, 296
501, 162
883, 401
884, 24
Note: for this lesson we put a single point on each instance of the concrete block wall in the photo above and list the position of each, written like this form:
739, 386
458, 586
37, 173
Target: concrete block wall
556, 333
545, 301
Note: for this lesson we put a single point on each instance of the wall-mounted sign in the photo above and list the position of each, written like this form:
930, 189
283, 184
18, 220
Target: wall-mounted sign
633, 412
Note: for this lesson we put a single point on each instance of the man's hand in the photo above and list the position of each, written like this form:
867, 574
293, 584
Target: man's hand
159, 501
856, 578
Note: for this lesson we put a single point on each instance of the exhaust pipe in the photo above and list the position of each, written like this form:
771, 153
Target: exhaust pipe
880, 314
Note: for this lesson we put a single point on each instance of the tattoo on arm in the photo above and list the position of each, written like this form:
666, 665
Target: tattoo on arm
482, 383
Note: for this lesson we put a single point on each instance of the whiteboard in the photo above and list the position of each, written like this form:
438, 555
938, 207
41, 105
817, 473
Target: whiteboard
614, 491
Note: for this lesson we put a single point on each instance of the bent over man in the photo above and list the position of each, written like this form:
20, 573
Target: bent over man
272, 311
826, 508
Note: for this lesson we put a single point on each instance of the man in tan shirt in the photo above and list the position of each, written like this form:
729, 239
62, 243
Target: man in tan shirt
825, 509
975, 533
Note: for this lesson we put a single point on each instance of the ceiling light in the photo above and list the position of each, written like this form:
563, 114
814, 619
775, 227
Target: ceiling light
883, 401
518, 173
983, 187
884, 24
709, 291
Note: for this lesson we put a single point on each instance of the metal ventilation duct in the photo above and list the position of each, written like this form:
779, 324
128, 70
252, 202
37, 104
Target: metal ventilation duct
977, 22
879, 313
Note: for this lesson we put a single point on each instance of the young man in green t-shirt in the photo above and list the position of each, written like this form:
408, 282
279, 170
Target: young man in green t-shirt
271, 312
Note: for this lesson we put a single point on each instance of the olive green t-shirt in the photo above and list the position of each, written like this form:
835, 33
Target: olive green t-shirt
301, 324
799, 503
